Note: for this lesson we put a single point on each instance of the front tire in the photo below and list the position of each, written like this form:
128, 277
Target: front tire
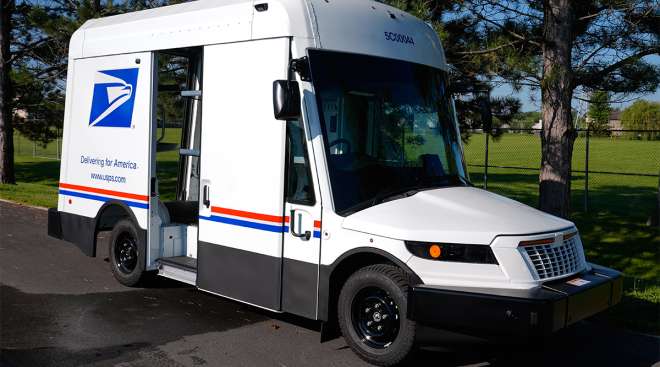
372, 310
127, 253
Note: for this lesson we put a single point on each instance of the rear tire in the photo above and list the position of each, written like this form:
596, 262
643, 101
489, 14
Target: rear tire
372, 310
127, 253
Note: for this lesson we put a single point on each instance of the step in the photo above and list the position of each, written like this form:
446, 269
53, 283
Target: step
181, 262
181, 268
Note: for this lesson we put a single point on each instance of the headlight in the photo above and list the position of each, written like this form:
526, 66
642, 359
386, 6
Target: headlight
456, 252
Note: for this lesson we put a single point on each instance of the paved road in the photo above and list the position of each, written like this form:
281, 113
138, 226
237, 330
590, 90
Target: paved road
60, 308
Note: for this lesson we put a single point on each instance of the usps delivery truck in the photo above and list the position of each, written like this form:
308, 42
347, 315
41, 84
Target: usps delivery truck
318, 171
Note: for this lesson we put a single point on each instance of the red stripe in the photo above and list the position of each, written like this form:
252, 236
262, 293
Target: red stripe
317, 224
251, 215
104, 192
544, 241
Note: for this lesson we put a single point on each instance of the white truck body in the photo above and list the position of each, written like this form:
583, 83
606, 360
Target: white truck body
242, 245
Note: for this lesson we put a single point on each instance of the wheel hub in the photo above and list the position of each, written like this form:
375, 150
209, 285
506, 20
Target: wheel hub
126, 253
375, 317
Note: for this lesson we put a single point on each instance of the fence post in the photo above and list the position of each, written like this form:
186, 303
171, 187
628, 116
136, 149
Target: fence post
586, 174
486, 163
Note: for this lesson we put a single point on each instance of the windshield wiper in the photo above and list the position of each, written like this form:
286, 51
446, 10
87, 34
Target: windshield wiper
380, 197
389, 194
399, 193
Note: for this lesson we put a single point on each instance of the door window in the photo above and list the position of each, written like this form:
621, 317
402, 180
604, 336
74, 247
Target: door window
299, 188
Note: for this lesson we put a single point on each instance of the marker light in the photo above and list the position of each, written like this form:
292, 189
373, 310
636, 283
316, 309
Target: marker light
435, 251
569, 235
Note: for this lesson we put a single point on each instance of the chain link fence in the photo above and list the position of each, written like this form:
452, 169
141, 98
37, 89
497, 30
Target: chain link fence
24, 147
614, 170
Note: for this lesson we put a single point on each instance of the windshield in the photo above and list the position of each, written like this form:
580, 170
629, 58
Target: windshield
389, 128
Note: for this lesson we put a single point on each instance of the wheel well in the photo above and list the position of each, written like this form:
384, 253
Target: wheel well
108, 216
349, 265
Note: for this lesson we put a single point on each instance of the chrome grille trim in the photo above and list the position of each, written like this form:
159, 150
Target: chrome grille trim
556, 259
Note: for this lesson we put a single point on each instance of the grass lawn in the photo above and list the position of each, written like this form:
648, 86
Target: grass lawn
614, 230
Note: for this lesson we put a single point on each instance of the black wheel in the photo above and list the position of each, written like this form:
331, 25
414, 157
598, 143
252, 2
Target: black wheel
127, 253
372, 314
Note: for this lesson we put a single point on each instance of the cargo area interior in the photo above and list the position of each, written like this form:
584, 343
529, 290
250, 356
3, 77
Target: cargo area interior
177, 142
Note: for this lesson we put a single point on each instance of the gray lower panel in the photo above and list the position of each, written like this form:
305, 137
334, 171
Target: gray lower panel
299, 288
242, 275
81, 230
73, 228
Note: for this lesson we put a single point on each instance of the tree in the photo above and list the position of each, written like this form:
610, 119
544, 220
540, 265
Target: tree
40, 57
643, 115
558, 47
599, 112
6, 95
526, 120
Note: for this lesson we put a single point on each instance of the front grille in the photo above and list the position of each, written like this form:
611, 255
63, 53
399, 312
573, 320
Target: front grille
552, 260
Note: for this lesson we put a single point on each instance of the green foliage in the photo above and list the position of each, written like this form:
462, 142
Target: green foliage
643, 115
599, 112
506, 40
39, 47
172, 79
40, 108
525, 120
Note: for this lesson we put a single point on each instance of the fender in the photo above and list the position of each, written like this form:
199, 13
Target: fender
127, 210
364, 256
81, 230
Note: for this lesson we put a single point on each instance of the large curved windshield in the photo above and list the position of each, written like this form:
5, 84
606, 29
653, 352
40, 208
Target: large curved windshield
388, 126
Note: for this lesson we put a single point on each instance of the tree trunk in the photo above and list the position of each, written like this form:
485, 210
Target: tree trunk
6, 115
96, 7
556, 93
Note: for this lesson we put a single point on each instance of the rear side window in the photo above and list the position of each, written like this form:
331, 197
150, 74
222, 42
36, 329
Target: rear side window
300, 188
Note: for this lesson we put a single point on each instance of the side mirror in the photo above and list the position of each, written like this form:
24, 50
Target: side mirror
286, 100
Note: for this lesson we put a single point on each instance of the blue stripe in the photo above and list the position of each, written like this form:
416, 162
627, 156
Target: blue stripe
103, 199
246, 224
317, 234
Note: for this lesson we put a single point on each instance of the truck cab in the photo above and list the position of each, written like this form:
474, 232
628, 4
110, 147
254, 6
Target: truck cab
314, 166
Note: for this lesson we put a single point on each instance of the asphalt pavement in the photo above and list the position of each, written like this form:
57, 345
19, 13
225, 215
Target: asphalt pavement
61, 308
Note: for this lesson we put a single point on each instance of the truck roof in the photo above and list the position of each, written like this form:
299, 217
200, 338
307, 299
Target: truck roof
343, 25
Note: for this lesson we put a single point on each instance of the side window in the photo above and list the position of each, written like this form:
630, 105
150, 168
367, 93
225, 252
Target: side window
299, 186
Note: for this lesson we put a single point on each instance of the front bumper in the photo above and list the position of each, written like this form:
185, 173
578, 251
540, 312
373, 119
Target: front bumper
533, 312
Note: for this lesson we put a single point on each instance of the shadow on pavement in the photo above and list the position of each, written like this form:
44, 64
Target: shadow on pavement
71, 330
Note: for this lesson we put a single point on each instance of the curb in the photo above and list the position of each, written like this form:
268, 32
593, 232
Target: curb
23, 205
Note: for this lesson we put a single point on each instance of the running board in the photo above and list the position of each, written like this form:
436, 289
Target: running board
180, 268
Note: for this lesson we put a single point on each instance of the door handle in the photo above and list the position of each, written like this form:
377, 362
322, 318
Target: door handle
303, 236
205, 197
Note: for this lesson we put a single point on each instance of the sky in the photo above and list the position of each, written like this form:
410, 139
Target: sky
531, 99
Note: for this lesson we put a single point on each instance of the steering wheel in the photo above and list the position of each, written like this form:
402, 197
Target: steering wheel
346, 142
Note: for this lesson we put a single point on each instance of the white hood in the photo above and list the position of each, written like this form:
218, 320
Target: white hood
453, 215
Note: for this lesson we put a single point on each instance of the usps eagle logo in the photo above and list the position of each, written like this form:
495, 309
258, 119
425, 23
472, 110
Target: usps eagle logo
114, 98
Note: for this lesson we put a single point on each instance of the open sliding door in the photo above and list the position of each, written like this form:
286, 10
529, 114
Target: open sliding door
242, 219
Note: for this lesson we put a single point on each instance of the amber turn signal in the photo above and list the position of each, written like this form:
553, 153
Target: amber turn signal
435, 251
